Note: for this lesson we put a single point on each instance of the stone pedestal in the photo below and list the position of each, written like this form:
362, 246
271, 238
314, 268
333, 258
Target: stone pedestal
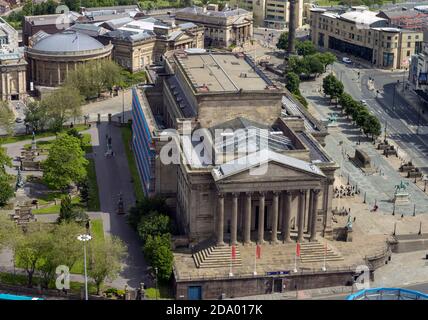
401, 197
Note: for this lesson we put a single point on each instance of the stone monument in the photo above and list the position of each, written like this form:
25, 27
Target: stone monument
400, 194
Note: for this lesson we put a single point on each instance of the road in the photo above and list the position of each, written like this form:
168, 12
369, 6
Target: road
400, 119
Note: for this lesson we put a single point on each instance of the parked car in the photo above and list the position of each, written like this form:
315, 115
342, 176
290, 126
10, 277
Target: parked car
364, 102
346, 60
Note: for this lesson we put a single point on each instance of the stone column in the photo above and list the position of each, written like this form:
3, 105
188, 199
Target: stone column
274, 217
309, 221
234, 222
315, 196
247, 220
301, 212
286, 217
261, 227
220, 219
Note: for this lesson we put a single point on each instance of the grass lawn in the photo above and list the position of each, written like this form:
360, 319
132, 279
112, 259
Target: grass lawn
138, 188
55, 208
325, 3
21, 280
94, 198
97, 233
13, 139
163, 292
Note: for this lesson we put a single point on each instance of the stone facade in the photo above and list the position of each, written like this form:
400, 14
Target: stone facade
13, 76
271, 13
210, 205
136, 52
50, 66
222, 28
362, 33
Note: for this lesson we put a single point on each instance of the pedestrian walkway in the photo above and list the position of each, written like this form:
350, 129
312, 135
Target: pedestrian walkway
114, 178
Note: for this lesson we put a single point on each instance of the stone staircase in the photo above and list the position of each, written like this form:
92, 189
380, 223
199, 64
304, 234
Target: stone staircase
311, 252
217, 257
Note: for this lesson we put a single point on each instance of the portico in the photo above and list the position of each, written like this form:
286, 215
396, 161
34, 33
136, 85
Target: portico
269, 207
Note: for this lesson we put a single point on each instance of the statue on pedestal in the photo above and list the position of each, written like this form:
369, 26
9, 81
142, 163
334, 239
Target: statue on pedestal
19, 180
349, 223
33, 142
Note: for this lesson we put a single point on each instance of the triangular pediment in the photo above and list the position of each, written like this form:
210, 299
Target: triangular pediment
274, 167
270, 171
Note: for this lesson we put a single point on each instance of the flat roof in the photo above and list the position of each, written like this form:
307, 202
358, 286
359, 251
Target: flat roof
218, 72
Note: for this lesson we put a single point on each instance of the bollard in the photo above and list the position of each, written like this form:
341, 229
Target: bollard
98, 118
414, 210
109, 118
365, 195
420, 228
393, 210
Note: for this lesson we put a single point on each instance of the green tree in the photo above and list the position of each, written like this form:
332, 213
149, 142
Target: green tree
157, 249
106, 257
7, 118
153, 224
293, 82
31, 248
5, 160
361, 117
305, 48
146, 206
9, 231
65, 250
66, 213
61, 105
314, 65
326, 58
36, 116
282, 43
332, 87
372, 126
6, 190
66, 163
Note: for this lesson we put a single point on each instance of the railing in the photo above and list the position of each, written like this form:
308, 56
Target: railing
179, 278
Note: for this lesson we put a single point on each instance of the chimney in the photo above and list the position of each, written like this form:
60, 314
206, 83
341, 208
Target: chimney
292, 24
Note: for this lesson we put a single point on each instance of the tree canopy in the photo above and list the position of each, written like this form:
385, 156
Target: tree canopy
7, 118
66, 163
292, 82
332, 87
106, 257
282, 43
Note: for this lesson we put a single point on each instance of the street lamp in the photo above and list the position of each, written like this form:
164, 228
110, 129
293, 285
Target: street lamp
84, 238
156, 281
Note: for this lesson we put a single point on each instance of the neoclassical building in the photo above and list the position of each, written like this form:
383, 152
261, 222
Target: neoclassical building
140, 43
222, 28
52, 57
13, 69
262, 174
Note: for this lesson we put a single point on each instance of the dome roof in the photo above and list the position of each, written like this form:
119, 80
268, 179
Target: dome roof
68, 41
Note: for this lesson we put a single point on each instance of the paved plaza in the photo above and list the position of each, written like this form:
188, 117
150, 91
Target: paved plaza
342, 142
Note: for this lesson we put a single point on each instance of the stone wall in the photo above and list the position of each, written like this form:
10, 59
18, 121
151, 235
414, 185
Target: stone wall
239, 287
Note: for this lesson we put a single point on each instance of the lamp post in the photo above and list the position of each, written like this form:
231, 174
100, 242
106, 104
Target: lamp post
156, 281
393, 97
84, 238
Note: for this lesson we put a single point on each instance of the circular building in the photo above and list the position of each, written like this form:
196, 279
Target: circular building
52, 56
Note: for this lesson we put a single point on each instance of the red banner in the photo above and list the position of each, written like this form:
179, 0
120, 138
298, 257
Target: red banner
258, 251
298, 249
233, 252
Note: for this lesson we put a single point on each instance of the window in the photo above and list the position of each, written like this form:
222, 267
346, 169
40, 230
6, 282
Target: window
409, 37
408, 53
388, 38
409, 44
416, 37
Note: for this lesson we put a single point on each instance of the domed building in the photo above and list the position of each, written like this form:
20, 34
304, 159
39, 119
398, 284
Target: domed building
52, 57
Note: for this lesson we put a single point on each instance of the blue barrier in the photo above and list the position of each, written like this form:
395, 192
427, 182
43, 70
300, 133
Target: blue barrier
388, 294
